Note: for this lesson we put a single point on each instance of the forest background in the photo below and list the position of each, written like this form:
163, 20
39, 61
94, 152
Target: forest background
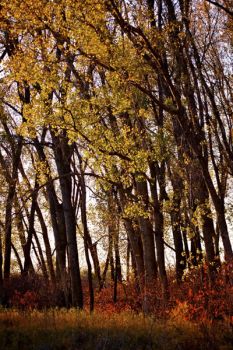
117, 145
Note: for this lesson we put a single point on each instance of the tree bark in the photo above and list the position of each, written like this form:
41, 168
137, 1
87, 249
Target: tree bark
63, 152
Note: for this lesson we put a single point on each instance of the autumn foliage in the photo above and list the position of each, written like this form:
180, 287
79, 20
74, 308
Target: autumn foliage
195, 300
116, 164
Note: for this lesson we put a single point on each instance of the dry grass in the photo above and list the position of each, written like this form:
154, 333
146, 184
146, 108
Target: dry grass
72, 329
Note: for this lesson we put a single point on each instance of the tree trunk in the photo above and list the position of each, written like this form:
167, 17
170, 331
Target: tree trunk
9, 206
135, 243
158, 228
63, 152
1, 272
47, 245
147, 236
86, 234
58, 225
42, 260
31, 231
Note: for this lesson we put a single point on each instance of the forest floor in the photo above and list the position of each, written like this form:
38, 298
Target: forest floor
196, 317
71, 329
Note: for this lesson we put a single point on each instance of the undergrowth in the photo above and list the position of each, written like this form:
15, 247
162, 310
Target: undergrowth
197, 316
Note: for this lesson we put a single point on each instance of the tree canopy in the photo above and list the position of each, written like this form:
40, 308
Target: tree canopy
116, 135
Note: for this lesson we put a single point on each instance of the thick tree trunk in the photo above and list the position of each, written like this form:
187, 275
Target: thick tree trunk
135, 243
9, 206
63, 152
147, 236
58, 226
